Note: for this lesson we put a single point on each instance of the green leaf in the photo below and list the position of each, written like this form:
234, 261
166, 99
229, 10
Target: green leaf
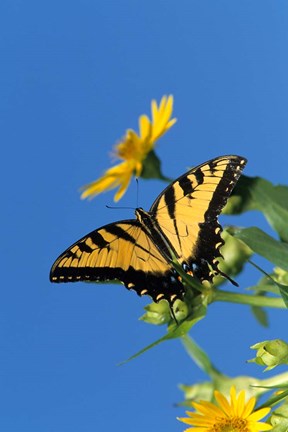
265, 245
268, 287
260, 315
241, 199
152, 167
256, 193
273, 202
275, 399
284, 292
199, 356
282, 426
279, 418
278, 274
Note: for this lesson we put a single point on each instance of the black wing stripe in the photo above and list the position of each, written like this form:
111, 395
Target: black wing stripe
213, 166
120, 233
199, 175
84, 247
117, 231
97, 239
186, 185
223, 190
169, 198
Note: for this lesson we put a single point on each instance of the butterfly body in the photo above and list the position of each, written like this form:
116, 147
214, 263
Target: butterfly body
182, 223
153, 230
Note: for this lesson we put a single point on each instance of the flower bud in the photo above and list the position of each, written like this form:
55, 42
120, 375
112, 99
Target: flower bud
270, 353
205, 390
157, 313
281, 276
279, 418
202, 391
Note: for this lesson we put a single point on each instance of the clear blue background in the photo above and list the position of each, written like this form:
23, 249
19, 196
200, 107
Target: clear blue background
74, 75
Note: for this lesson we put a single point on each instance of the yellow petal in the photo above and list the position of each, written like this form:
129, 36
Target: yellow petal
124, 185
208, 408
259, 414
259, 426
161, 117
249, 407
154, 108
119, 175
239, 406
197, 430
171, 123
144, 127
197, 421
166, 107
185, 420
98, 186
223, 402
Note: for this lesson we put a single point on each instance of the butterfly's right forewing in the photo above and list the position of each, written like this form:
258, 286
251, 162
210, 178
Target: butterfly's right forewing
187, 213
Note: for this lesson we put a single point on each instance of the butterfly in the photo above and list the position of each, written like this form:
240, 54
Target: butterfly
182, 222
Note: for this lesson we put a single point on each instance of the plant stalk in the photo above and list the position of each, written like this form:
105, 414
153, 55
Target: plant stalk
251, 300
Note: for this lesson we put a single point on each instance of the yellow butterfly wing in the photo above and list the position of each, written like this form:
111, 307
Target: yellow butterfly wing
183, 219
187, 212
123, 251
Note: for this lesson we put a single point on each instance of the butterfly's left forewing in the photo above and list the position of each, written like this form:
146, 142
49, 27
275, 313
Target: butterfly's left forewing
123, 251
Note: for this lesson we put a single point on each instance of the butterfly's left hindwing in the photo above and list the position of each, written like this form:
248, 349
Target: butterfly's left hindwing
122, 251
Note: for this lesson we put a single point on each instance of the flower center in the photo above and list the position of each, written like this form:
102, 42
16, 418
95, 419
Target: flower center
234, 424
127, 149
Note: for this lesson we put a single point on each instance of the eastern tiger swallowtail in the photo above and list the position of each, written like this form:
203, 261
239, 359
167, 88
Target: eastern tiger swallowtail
181, 222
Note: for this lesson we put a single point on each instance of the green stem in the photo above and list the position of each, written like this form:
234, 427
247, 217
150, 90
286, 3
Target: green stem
276, 380
200, 357
252, 300
274, 401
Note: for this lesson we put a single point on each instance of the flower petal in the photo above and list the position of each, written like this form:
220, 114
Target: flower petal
145, 129
198, 420
239, 404
208, 408
161, 121
259, 426
223, 403
259, 414
249, 407
124, 185
119, 175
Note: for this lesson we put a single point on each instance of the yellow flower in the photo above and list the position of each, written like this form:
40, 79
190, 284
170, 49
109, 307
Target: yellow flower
133, 150
235, 415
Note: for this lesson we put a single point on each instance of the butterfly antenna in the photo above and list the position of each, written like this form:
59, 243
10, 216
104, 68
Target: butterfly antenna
137, 191
117, 208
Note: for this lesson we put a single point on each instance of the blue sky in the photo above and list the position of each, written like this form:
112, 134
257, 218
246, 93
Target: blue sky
74, 76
